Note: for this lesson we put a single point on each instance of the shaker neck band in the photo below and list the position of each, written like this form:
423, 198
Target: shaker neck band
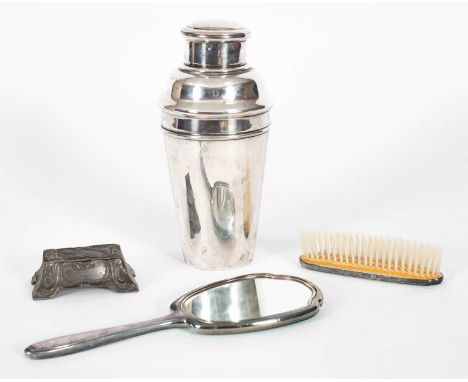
212, 54
220, 128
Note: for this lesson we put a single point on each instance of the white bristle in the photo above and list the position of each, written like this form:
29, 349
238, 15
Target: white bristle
403, 254
386, 253
369, 248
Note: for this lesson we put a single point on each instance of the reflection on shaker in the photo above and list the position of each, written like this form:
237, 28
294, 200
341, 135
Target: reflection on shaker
247, 202
222, 206
194, 221
223, 210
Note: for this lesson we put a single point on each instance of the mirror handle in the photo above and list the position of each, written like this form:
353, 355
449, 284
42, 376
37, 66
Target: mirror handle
74, 343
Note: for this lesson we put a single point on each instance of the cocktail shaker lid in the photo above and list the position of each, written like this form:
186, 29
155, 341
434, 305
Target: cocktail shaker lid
216, 30
215, 93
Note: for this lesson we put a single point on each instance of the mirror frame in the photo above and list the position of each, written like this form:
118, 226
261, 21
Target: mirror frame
272, 321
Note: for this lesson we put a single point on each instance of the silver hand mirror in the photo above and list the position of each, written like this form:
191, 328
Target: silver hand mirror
242, 304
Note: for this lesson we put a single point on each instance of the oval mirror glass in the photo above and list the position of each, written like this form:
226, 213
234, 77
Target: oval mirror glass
248, 299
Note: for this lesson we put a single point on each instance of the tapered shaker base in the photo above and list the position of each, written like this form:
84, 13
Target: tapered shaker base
217, 190
236, 265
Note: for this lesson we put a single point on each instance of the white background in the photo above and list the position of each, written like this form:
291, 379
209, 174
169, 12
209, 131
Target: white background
369, 135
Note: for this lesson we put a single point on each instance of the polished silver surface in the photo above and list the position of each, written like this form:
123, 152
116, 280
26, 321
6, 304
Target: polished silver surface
240, 304
217, 199
215, 120
215, 44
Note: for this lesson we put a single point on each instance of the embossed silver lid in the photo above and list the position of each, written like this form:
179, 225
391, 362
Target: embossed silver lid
215, 93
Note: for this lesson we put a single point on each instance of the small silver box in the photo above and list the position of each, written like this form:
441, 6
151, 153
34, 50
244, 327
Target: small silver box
96, 266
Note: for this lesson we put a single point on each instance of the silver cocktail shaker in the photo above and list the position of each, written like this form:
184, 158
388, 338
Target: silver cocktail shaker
215, 121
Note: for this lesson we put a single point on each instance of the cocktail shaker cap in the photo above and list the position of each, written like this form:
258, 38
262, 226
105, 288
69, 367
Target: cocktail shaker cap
215, 94
216, 30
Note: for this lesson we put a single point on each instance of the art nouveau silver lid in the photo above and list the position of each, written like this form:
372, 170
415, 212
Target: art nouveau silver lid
215, 94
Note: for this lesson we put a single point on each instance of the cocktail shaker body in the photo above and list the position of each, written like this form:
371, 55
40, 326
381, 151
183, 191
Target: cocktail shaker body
215, 121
